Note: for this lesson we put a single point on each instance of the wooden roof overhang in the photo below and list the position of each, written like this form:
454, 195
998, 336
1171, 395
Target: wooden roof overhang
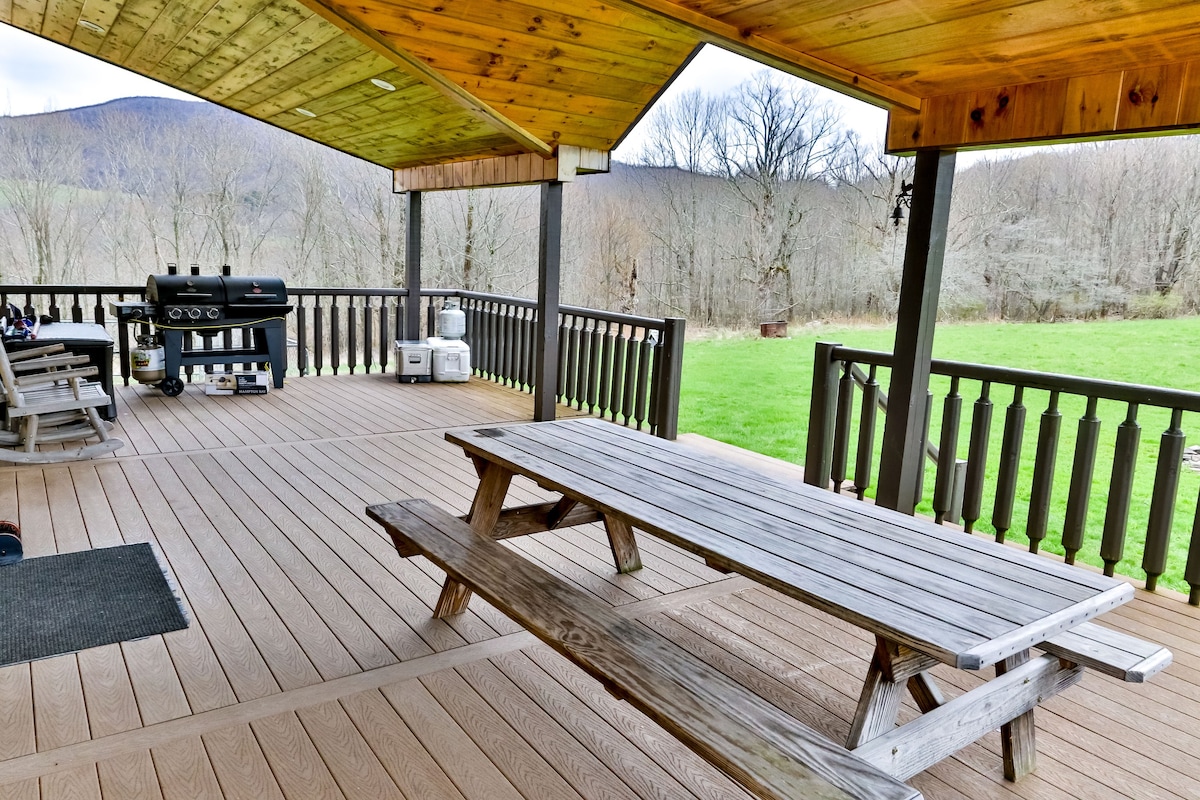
514, 84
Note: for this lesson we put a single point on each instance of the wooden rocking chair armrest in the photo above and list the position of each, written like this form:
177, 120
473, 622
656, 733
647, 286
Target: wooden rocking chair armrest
50, 362
55, 377
36, 352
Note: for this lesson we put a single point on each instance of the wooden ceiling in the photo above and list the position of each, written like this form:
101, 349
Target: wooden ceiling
479, 79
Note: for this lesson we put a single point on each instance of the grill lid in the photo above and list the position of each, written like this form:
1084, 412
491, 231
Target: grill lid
215, 290
185, 289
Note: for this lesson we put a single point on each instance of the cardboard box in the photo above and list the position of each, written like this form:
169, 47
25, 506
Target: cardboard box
238, 383
251, 382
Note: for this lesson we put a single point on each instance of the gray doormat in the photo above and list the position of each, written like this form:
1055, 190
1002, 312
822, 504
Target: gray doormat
64, 603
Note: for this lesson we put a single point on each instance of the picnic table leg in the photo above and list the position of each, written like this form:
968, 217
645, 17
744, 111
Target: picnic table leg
624, 546
1018, 738
485, 510
892, 668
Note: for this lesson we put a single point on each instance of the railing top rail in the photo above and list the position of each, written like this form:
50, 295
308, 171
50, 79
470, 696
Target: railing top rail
344, 291
603, 316
71, 288
1047, 381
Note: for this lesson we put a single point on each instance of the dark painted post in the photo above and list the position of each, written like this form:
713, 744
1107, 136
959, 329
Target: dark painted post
901, 465
412, 267
545, 364
822, 411
669, 374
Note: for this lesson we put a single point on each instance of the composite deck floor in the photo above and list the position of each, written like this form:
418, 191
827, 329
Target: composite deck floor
312, 668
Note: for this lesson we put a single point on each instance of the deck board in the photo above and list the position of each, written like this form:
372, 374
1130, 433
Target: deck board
313, 668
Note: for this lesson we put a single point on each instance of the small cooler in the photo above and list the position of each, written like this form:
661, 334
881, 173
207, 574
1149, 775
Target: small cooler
413, 361
451, 360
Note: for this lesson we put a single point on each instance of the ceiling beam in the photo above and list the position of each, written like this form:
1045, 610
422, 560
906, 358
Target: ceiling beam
773, 54
527, 168
344, 20
1148, 101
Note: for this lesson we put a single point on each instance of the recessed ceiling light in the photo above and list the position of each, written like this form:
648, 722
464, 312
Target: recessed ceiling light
304, 112
90, 26
382, 84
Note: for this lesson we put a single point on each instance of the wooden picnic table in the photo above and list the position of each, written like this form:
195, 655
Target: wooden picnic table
929, 594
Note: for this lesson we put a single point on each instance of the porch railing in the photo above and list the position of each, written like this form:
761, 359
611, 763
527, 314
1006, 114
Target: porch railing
619, 366
832, 428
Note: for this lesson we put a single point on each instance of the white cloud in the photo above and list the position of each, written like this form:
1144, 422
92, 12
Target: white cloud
38, 75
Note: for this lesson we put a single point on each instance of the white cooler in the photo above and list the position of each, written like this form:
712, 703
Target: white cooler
413, 361
451, 360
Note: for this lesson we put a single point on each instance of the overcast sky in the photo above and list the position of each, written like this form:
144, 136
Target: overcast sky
38, 75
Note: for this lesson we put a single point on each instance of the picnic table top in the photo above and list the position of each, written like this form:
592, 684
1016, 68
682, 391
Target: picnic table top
965, 601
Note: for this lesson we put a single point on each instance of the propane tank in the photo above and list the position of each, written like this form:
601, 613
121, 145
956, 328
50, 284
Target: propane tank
452, 322
148, 360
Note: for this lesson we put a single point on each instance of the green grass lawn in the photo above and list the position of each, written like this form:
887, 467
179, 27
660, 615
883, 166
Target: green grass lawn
754, 393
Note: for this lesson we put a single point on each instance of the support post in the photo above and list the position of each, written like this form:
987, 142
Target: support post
901, 460
412, 267
668, 373
545, 365
822, 414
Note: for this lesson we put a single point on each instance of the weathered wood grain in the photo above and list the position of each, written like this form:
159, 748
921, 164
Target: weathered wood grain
808, 545
714, 716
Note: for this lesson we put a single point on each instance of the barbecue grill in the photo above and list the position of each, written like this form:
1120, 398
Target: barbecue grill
183, 306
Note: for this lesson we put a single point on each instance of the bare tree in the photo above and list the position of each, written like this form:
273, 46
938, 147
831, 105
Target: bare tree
773, 141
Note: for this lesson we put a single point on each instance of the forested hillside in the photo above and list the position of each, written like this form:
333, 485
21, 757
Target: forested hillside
754, 206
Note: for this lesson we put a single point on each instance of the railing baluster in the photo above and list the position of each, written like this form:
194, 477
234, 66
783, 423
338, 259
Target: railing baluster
1120, 490
367, 349
631, 370
351, 335
841, 426
593, 373
301, 337
1162, 502
604, 398
509, 367
863, 460
943, 482
386, 342
564, 356
581, 342
981, 432
76, 308
335, 338
1010, 463
1075, 522
318, 334
618, 374
643, 380
1044, 460
1191, 572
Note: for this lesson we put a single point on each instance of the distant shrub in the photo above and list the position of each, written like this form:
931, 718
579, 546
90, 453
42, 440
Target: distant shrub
1155, 306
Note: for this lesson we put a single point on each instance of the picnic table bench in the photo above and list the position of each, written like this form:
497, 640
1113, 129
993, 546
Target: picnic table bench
929, 595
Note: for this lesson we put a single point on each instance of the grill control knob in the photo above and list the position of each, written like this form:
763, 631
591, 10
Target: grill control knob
212, 312
174, 313
193, 313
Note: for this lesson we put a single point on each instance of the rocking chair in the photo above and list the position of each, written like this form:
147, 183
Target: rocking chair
50, 402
